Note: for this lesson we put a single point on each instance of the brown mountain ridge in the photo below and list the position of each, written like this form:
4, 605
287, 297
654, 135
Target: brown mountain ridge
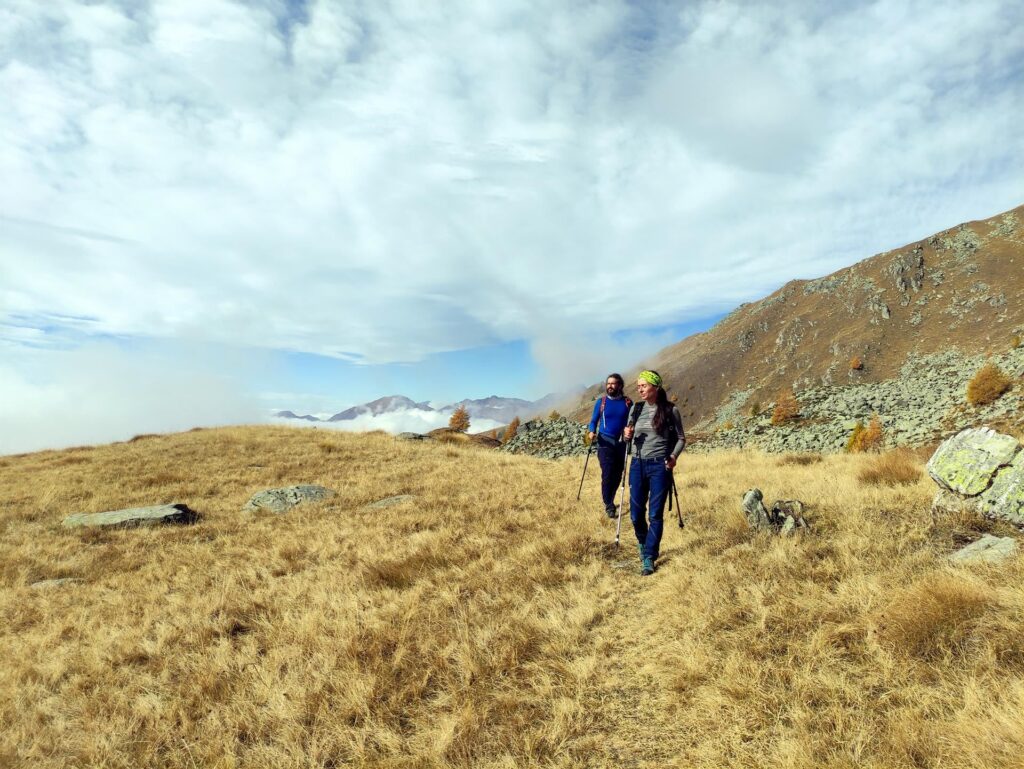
960, 291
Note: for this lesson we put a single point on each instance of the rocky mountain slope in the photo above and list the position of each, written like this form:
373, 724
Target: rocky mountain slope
897, 334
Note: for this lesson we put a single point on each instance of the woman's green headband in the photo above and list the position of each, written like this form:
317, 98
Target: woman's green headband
651, 378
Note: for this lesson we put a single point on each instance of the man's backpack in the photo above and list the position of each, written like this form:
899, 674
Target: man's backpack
604, 399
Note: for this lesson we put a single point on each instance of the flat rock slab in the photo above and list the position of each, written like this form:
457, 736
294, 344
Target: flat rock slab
413, 437
392, 501
966, 462
284, 499
988, 549
44, 584
135, 516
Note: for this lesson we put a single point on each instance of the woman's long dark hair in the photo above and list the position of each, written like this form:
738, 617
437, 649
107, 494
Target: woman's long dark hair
662, 418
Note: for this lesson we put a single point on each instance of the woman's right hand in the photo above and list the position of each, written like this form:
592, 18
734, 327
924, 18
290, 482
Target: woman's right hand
628, 433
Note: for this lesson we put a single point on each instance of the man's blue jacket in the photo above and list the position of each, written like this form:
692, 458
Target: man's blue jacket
614, 417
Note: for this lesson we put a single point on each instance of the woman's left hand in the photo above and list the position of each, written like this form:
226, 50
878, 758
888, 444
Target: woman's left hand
670, 462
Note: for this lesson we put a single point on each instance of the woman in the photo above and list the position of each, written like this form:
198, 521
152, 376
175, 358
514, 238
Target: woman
656, 430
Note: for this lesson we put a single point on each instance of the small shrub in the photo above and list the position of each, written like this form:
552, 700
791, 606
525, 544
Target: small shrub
1015, 341
787, 408
856, 364
987, 384
866, 438
893, 468
728, 425
800, 459
754, 409
554, 415
511, 430
460, 420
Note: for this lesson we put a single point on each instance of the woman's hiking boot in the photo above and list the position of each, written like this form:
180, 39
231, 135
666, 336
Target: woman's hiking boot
610, 510
648, 567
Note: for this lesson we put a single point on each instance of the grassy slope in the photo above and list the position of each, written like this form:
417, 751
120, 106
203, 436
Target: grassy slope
487, 623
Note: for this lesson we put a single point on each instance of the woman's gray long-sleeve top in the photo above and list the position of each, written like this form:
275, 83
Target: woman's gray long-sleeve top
646, 441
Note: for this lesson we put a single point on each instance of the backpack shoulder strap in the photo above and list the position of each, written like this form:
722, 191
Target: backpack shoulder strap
604, 400
635, 414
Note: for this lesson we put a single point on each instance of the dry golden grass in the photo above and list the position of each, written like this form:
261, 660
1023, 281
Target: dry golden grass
891, 468
987, 385
486, 623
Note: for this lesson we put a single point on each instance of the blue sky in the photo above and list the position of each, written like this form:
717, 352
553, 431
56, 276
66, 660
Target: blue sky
214, 208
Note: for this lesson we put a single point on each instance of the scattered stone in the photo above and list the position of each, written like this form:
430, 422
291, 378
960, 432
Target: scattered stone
392, 501
413, 437
754, 510
135, 516
44, 584
785, 517
284, 499
988, 549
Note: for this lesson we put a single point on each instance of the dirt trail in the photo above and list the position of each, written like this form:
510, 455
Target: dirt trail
633, 704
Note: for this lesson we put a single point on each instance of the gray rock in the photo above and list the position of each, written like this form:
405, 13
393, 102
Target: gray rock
392, 501
946, 503
284, 499
412, 437
988, 549
967, 462
754, 510
135, 516
44, 584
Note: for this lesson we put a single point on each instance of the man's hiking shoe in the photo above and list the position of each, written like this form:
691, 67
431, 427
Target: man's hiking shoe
648, 567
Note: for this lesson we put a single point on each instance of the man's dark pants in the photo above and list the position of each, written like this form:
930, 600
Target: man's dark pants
611, 453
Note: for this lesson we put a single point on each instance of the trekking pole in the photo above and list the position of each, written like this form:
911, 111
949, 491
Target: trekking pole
675, 491
622, 493
585, 462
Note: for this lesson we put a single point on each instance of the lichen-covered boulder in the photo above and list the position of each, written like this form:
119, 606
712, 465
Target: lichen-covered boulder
134, 516
966, 462
1005, 497
980, 470
284, 499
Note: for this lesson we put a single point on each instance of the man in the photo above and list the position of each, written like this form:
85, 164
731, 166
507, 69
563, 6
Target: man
611, 412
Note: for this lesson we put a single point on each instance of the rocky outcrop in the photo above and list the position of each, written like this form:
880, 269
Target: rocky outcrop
982, 470
284, 499
925, 402
134, 516
548, 438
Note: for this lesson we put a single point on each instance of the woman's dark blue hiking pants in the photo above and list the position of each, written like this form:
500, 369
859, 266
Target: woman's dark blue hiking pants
649, 484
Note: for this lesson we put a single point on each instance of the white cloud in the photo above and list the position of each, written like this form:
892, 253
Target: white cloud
99, 393
383, 181
409, 420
